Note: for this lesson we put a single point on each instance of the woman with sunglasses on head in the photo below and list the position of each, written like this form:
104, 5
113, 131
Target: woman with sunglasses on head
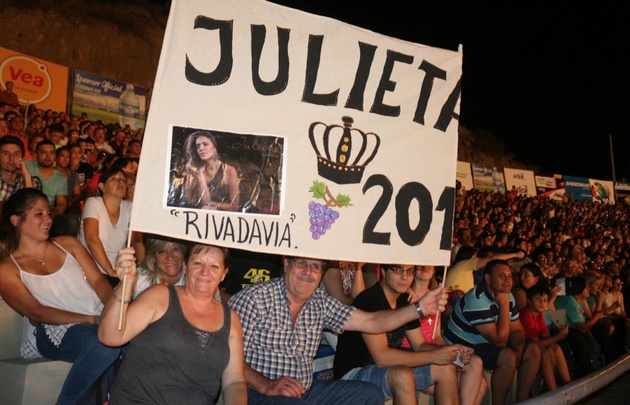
163, 263
105, 221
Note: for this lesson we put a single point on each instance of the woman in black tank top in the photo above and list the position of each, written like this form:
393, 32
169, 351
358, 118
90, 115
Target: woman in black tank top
191, 342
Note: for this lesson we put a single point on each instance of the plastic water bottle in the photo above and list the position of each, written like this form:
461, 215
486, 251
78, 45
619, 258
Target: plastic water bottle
129, 108
497, 181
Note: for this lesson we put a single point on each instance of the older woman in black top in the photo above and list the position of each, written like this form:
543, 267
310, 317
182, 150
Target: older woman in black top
191, 342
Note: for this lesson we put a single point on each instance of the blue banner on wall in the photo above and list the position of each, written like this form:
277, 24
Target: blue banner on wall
108, 100
578, 188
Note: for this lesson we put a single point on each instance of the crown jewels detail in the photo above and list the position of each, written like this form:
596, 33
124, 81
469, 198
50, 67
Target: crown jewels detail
347, 168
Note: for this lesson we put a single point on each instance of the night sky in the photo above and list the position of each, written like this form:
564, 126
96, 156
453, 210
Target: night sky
549, 78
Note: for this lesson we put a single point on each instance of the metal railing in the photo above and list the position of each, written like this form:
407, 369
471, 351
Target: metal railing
585, 386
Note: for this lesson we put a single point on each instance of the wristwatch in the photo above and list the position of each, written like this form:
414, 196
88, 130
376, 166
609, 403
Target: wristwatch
419, 310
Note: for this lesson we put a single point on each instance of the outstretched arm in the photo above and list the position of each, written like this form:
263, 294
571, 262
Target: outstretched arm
384, 321
481, 263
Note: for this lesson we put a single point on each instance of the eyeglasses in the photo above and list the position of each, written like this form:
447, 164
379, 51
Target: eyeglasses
303, 265
399, 270
618, 283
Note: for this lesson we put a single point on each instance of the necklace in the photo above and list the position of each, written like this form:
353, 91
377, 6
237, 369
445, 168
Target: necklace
40, 261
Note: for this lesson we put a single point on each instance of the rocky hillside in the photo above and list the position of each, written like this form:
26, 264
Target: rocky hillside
122, 39
117, 39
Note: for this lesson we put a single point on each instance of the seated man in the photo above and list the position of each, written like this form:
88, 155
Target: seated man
377, 358
487, 320
283, 321
13, 172
54, 184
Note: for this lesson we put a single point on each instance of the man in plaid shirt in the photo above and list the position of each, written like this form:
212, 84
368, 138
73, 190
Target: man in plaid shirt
13, 172
282, 323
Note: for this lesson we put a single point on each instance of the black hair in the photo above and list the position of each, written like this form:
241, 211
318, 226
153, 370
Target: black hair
464, 253
66, 148
534, 269
486, 251
44, 143
121, 163
106, 174
12, 140
492, 264
538, 289
56, 128
575, 285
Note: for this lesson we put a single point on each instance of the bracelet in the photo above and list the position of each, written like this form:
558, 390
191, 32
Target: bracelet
421, 314
117, 298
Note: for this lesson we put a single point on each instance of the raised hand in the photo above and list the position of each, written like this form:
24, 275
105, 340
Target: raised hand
434, 301
125, 264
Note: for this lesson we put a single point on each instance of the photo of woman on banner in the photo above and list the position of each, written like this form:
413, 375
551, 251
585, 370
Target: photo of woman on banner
222, 171
215, 184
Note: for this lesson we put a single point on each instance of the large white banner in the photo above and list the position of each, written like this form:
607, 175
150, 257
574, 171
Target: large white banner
279, 131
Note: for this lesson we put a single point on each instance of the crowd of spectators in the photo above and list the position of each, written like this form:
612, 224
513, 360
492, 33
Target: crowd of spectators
572, 270
91, 147
551, 278
65, 155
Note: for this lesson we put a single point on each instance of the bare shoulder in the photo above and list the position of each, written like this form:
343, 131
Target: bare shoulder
156, 291
7, 269
235, 323
234, 317
230, 170
157, 294
10, 280
67, 242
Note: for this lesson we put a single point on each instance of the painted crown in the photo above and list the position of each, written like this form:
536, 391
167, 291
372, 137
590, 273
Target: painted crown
347, 166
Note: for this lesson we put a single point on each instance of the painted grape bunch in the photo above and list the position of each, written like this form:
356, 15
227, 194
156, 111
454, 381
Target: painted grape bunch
323, 215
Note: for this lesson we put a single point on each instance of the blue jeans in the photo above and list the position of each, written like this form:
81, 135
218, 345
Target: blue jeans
378, 376
80, 346
326, 392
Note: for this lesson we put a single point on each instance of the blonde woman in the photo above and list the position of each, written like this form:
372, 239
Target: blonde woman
162, 264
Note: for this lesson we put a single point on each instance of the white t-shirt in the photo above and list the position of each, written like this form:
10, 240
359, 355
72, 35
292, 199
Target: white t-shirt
113, 237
